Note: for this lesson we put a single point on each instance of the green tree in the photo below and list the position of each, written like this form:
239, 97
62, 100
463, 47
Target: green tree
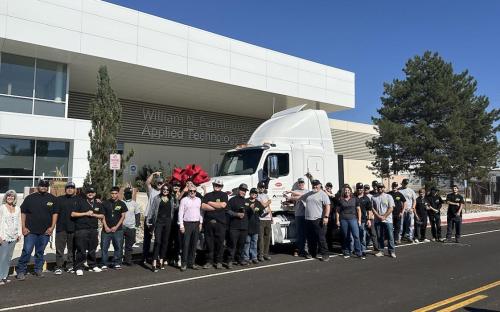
105, 115
433, 124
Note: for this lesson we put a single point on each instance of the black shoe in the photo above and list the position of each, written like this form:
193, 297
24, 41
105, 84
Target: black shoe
261, 259
229, 265
39, 274
308, 256
218, 266
255, 261
267, 258
194, 267
244, 263
324, 258
457, 240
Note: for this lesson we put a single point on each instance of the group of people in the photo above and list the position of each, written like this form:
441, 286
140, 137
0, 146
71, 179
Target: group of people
236, 230
369, 215
76, 221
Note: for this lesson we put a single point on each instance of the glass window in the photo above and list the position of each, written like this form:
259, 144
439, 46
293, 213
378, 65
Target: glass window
16, 75
16, 184
240, 162
52, 158
283, 164
49, 108
16, 157
50, 83
16, 105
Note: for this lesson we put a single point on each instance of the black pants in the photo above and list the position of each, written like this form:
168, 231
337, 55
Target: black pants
315, 233
214, 240
264, 238
128, 242
237, 239
86, 242
189, 242
65, 240
435, 220
162, 234
146, 243
175, 241
453, 221
396, 223
372, 236
421, 227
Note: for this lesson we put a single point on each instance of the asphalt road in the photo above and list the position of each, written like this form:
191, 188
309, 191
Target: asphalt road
422, 274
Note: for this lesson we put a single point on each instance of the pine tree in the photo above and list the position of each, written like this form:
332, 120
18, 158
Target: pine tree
105, 115
432, 124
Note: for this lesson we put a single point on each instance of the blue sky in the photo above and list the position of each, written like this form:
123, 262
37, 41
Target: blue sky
371, 38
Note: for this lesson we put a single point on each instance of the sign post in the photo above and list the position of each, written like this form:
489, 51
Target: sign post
114, 164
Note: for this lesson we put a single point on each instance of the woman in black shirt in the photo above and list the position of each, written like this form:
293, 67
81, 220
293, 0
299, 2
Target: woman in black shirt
159, 221
349, 219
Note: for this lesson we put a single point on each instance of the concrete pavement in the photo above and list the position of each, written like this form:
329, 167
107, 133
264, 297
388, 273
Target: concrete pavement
421, 275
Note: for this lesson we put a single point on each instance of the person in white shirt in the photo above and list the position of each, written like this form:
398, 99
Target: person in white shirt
10, 232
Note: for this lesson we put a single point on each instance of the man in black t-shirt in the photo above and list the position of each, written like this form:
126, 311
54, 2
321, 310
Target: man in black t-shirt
367, 227
238, 225
256, 209
38, 222
455, 203
214, 224
435, 202
397, 213
86, 216
112, 232
65, 228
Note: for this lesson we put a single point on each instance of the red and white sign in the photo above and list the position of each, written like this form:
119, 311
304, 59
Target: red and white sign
278, 184
115, 161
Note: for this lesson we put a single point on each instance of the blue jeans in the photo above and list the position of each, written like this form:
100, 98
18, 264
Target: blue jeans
300, 224
250, 250
408, 224
350, 228
6, 251
38, 242
385, 231
362, 236
117, 239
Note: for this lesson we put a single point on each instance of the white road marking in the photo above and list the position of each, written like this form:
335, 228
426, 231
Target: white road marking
37, 304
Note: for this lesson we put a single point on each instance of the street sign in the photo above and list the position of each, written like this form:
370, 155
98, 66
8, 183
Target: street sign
114, 161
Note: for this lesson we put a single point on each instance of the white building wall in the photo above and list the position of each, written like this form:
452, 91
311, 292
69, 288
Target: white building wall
106, 30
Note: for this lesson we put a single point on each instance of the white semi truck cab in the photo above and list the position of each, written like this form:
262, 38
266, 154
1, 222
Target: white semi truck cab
284, 148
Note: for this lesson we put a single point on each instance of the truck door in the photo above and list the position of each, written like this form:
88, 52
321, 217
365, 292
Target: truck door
277, 186
315, 167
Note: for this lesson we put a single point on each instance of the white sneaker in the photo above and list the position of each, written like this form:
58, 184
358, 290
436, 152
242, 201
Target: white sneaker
393, 255
379, 254
58, 272
103, 268
79, 272
426, 240
415, 240
433, 239
96, 270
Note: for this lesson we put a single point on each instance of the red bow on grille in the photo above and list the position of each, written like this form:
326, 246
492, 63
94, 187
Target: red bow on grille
193, 173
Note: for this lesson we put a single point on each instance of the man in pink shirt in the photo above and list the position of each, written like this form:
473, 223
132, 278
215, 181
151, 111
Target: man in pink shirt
190, 221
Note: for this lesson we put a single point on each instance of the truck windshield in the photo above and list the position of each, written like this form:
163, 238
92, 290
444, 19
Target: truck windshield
240, 162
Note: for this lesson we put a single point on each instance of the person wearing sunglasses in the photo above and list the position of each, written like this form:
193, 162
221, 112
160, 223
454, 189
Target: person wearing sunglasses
190, 222
214, 207
65, 228
159, 222
153, 185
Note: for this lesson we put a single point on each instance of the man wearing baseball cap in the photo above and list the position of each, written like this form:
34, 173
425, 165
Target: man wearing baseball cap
214, 205
408, 222
238, 225
317, 213
65, 228
383, 205
300, 221
397, 213
266, 219
153, 185
38, 222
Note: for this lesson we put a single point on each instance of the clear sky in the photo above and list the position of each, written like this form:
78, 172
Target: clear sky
371, 38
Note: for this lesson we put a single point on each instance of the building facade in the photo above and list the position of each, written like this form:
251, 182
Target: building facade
187, 94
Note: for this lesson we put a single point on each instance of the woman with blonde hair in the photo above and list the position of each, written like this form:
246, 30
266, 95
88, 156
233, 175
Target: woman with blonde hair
10, 232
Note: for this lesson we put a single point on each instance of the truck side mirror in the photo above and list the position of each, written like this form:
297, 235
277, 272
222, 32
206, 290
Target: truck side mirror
272, 166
